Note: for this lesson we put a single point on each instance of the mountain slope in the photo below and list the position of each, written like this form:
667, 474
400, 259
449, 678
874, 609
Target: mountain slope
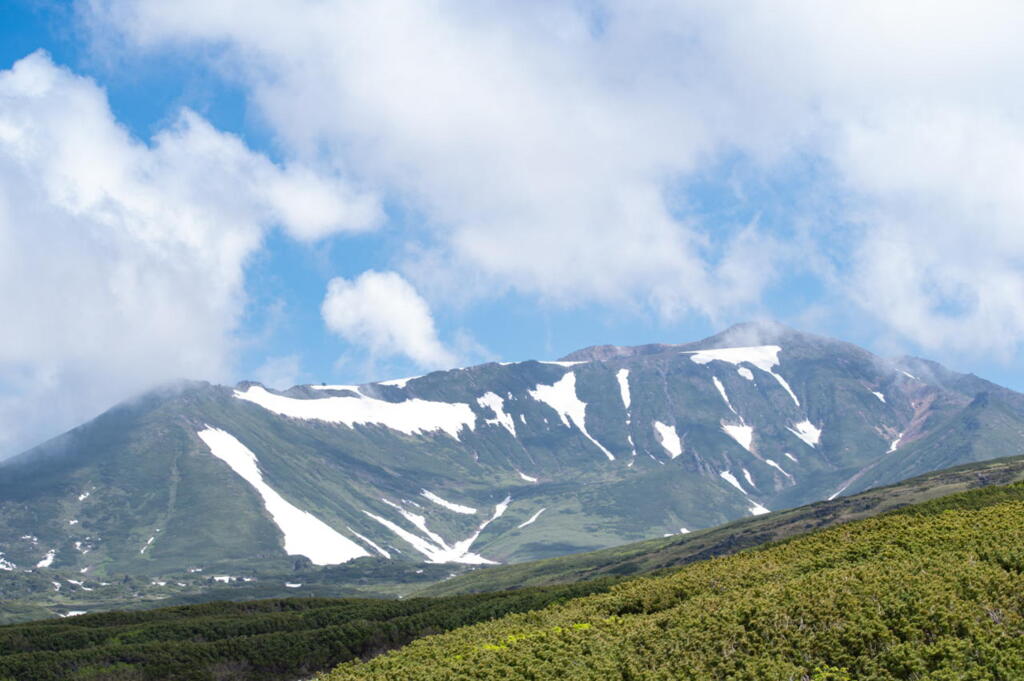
929, 592
495, 463
676, 551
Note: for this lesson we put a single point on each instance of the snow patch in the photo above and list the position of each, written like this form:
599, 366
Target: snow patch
731, 479
436, 549
47, 561
532, 519
304, 533
352, 388
895, 444
84, 495
527, 478
909, 375
839, 491
669, 439
292, 585
808, 432
560, 364
563, 399
725, 397
458, 508
382, 552
622, 376
74, 613
497, 405
879, 395
147, 545
745, 373
411, 417
746, 476
223, 579
791, 457
744, 435
757, 509
5, 564
764, 357
778, 468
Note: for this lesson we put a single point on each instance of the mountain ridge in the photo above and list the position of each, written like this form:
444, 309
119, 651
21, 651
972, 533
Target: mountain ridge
490, 463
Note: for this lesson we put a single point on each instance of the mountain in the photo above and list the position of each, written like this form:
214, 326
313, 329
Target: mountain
425, 477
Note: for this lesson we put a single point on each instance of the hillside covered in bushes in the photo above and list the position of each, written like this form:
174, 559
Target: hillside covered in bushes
266, 640
933, 591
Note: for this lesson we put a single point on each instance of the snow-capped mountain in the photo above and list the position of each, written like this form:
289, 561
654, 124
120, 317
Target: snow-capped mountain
491, 463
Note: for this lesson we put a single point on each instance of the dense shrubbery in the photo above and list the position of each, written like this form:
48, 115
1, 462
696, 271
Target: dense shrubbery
929, 592
275, 639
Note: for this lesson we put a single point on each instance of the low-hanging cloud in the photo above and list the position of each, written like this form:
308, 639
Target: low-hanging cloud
122, 263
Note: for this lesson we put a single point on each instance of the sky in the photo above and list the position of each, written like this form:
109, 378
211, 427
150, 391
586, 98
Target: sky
339, 191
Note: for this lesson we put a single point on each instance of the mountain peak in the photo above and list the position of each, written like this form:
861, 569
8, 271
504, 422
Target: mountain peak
763, 332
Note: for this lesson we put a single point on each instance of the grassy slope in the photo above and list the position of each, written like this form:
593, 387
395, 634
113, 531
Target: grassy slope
928, 592
676, 551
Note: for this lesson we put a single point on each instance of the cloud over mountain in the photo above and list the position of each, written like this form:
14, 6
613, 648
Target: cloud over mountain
121, 262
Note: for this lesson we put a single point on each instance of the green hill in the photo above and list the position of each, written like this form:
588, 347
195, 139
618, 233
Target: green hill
932, 591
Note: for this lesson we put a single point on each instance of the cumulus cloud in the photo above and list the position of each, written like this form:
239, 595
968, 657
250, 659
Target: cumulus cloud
542, 139
122, 263
383, 313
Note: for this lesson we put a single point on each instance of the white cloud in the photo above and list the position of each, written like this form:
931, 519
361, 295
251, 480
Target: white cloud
281, 372
540, 140
537, 171
121, 263
383, 313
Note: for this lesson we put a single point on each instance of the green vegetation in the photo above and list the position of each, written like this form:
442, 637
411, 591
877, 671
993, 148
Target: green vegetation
255, 640
676, 551
934, 591
928, 590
